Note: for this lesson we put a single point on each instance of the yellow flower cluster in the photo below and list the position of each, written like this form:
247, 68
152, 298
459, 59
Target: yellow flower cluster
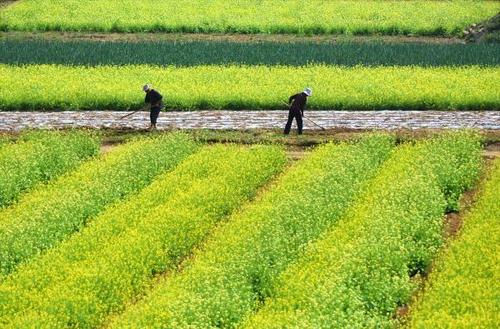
359, 272
416, 17
112, 261
464, 285
228, 278
39, 157
49, 214
250, 87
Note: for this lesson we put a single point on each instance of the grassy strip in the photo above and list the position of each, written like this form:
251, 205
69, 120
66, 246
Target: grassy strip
96, 272
193, 53
359, 272
48, 215
249, 87
464, 286
39, 158
416, 17
232, 274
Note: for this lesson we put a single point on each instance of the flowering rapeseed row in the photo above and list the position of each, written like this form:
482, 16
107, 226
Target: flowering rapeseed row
464, 286
113, 260
250, 87
233, 272
417, 17
51, 213
39, 157
358, 273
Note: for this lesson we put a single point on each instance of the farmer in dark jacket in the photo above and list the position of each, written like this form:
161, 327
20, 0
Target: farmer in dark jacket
297, 106
154, 100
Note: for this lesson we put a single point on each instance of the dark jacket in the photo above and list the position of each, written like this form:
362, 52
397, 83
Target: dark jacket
154, 98
299, 102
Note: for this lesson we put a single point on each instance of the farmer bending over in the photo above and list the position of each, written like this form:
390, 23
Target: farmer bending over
154, 100
297, 107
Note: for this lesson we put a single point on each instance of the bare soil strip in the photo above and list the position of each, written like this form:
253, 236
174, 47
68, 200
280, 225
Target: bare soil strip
156, 37
241, 120
453, 223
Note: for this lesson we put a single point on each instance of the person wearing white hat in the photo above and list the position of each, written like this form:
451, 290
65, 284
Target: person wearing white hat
155, 100
297, 104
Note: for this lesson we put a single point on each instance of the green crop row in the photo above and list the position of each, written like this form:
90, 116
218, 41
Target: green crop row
417, 17
113, 260
51, 213
464, 289
250, 87
41, 157
233, 272
193, 53
360, 271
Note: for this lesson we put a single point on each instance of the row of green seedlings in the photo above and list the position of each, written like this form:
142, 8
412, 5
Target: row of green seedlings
193, 53
50, 213
38, 157
233, 273
234, 87
360, 272
109, 263
418, 17
463, 288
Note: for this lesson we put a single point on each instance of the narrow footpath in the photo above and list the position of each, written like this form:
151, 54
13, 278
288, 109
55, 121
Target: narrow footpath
14, 121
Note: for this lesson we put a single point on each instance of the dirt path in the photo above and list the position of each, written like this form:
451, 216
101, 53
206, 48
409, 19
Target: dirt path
138, 37
15, 121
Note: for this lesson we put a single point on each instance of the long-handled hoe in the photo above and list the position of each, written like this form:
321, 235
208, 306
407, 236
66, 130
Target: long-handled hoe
314, 123
127, 115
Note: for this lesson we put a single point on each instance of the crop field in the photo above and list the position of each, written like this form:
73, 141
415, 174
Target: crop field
39, 157
240, 225
251, 16
54, 87
268, 53
464, 289
233, 236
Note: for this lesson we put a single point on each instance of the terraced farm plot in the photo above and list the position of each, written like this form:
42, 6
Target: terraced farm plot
253, 16
55, 87
47, 215
39, 157
463, 288
334, 240
114, 259
358, 273
291, 53
190, 231
238, 270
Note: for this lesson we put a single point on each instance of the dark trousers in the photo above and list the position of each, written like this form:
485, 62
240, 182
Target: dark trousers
298, 117
153, 115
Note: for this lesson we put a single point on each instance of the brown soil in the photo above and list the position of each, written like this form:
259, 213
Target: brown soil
452, 224
106, 147
488, 31
492, 151
138, 37
5, 3
295, 153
